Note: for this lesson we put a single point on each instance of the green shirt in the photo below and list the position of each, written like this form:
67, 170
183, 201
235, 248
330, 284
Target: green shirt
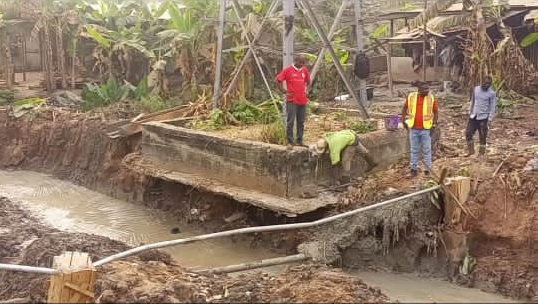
337, 142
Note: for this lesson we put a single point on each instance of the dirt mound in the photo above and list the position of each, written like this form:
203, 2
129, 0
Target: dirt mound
156, 282
304, 284
153, 282
28, 242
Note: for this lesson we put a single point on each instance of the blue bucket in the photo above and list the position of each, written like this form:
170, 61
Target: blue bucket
391, 122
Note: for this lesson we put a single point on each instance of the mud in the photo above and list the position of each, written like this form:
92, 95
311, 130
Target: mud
390, 236
501, 238
153, 276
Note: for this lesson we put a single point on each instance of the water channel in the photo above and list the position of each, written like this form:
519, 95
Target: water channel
72, 208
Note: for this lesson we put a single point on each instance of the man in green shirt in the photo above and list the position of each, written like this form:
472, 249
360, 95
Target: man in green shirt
343, 146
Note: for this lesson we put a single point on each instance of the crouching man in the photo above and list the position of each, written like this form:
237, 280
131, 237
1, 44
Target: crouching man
343, 146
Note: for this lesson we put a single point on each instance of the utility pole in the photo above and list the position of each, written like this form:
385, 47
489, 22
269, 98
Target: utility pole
359, 27
288, 7
218, 61
424, 42
288, 39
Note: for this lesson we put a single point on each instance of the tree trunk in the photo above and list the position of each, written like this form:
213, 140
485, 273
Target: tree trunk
9, 64
478, 50
61, 54
51, 81
43, 58
73, 63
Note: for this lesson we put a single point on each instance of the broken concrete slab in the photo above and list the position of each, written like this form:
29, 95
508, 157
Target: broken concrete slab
290, 207
257, 166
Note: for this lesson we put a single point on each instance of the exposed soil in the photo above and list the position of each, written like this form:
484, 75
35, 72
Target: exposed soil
501, 238
152, 276
74, 146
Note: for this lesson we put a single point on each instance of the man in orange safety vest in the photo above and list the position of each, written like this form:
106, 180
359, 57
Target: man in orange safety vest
420, 114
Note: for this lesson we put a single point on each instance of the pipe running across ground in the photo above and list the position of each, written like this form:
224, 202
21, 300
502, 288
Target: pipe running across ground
228, 233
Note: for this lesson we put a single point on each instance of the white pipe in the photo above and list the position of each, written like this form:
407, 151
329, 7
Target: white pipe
255, 265
31, 269
228, 233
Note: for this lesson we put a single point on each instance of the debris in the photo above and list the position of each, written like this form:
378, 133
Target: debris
65, 99
234, 217
532, 165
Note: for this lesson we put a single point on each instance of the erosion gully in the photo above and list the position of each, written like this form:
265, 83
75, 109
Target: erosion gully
73, 208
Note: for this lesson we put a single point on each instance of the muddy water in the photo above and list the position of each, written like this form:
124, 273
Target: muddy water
409, 288
72, 208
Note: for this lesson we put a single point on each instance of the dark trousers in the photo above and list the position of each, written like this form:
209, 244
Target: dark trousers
295, 112
473, 125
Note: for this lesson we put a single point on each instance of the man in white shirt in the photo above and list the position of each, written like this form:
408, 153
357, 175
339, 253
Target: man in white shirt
483, 106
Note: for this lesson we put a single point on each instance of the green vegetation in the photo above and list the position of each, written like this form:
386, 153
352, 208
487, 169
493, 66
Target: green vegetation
105, 94
7, 97
242, 112
361, 127
274, 133
171, 43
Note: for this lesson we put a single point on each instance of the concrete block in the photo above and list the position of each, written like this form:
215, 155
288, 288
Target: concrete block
266, 168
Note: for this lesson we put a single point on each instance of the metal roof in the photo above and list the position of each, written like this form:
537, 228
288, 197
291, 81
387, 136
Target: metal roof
458, 7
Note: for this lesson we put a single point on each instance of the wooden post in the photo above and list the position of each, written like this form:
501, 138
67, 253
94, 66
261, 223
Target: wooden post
24, 58
9, 63
359, 28
76, 281
461, 187
218, 59
424, 42
389, 60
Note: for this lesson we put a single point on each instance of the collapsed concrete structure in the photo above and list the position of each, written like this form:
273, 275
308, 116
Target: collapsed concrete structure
268, 176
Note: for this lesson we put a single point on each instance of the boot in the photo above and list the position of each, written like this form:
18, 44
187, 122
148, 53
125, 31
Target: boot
371, 162
470, 149
482, 150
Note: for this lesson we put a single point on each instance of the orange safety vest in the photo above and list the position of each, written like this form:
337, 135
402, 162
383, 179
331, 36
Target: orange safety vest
427, 110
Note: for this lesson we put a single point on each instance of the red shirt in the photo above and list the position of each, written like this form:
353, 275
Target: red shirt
296, 80
419, 122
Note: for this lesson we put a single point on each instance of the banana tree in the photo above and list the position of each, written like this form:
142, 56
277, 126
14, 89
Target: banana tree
7, 59
189, 38
117, 30
120, 45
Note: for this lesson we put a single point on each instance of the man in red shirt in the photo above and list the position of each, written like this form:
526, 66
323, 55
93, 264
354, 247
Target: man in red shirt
420, 114
297, 79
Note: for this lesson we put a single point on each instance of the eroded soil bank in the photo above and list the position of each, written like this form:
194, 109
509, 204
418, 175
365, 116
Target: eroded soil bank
75, 147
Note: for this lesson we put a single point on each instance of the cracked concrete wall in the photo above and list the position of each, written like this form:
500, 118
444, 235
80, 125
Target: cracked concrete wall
267, 168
